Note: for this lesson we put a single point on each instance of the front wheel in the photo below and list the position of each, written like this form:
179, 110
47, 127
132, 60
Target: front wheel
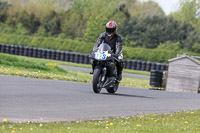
113, 89
96, 81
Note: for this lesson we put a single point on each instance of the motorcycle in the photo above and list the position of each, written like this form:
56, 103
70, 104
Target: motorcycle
105, 71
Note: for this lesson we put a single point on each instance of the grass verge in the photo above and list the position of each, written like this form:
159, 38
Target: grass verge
76, 64
163, 123
48, 69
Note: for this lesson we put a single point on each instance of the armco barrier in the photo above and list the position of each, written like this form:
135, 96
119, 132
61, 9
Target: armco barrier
75, 57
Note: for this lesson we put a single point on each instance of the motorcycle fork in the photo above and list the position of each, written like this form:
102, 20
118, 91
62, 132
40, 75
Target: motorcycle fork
103, 74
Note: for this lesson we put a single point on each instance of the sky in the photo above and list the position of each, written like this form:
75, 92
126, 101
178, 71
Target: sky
167, 5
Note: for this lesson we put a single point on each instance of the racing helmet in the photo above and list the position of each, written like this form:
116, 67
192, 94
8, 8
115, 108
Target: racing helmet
111, 28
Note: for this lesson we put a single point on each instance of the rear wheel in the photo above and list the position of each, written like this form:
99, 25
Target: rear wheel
96, 81
113, 89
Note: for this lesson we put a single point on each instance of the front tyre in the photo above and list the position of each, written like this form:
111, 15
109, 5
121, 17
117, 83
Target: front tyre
96, 81
113, 89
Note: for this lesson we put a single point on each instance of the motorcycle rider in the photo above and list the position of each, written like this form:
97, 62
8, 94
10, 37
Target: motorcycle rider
112, 38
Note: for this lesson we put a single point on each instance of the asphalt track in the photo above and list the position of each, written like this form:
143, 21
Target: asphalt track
27, 99
88, 70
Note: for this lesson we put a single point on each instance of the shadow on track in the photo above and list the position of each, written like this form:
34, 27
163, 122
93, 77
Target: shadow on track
126, 95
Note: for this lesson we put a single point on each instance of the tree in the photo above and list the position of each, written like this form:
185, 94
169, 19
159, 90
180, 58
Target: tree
189, 11
73, 24
30, 22
153, 31
3, 11
102, 13
52, 22
151, 9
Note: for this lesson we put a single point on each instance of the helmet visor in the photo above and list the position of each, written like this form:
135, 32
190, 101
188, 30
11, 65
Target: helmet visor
110, 30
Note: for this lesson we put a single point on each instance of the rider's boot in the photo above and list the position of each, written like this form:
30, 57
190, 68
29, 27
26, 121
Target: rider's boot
119, 73
119, 76
120, 66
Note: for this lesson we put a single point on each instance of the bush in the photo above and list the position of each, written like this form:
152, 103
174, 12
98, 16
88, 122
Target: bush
48, 43
152, 55
78, 45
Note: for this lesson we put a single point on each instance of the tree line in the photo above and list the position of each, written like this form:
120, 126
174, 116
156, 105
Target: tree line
142, 25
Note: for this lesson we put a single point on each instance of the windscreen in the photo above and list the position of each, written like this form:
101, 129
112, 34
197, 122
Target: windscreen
104, 47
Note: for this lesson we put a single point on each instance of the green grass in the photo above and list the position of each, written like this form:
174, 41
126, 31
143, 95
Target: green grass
90, 67
28, 67
28, 64
136, 72
181, 122
48, 69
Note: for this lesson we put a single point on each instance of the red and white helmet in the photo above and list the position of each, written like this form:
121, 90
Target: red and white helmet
111, 28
